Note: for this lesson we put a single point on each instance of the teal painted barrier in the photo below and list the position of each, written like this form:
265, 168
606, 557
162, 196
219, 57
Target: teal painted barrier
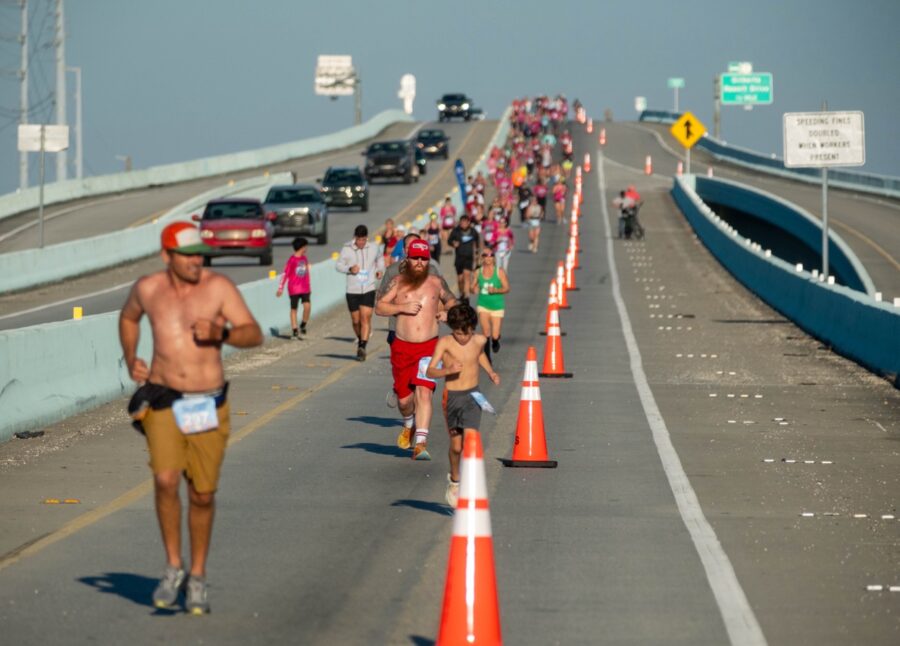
852, 323
55, 192
791, 218
49, 372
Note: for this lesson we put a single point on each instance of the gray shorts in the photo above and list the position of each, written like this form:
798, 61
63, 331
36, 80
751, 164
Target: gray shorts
461, 410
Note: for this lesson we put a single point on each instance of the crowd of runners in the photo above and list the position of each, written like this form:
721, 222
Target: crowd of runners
182, 405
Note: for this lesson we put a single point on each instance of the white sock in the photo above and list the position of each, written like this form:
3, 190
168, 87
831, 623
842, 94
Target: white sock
421, 435
408, 421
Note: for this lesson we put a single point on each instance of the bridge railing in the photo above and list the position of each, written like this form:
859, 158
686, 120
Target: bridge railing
852, 323
853, 180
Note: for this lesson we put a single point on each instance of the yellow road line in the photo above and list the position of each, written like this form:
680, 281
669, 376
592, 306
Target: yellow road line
881, 251
147, 219
146, 487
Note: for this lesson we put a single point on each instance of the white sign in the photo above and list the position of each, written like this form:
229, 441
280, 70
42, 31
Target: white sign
56, 138
640, 103
335, 76
818, 139
407, 92
740, 67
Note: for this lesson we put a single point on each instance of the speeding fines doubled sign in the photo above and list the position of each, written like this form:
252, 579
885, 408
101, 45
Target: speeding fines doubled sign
819, 139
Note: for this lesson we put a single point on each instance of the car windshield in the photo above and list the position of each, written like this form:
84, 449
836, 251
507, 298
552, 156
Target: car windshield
347, 176
232, 210
431, 134
454, 98
387, 147
293, 196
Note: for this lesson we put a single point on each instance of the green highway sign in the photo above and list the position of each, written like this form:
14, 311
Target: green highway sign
675, 83
746, 89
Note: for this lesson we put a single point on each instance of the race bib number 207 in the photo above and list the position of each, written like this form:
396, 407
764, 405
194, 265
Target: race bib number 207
195, 414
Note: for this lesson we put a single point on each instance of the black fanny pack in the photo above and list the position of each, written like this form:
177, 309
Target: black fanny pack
158, 397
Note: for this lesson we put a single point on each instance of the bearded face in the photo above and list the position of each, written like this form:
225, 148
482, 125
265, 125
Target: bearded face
414, 272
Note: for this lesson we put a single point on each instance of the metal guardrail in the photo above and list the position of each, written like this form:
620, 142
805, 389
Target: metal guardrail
853, 324
866, 182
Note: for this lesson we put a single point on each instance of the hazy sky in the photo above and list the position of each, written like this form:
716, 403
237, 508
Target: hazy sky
171, 80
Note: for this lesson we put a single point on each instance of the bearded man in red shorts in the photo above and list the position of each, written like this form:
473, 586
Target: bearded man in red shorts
419, 300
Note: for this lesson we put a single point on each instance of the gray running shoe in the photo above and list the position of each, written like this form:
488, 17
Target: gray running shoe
166, 593
196, 602
391, 399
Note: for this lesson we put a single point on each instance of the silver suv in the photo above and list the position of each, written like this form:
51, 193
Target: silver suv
299, 210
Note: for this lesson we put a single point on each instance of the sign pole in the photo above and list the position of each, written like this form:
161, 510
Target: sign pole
825, 213
688, 169
41, 198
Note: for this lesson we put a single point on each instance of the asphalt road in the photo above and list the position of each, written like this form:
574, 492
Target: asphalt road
105, 291
869, 224
328, 534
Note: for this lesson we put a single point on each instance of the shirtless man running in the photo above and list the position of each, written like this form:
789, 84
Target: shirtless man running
182, 405
419, 300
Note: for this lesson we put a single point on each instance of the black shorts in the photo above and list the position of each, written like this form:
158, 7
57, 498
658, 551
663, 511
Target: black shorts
464, 262
297, 298
461, 410
355, 301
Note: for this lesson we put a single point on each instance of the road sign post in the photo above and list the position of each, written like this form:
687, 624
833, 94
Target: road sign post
688, 130
820, 140
41, 138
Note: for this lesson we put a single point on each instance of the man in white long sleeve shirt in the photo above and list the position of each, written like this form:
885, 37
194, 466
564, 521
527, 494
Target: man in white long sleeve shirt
363, 263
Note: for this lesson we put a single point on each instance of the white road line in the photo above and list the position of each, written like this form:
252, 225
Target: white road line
740, 622
67, 300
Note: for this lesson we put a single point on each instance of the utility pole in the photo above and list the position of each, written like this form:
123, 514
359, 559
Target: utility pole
61, 157
717, 106
23, 101
79, 153
357, 96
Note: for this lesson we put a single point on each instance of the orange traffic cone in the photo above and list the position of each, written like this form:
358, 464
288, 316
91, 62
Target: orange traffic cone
573, 249
554, 364
679, 170
561, 297
530, 448
471, 612
709, 171
648, 166
590, 126
570, 272
552, 310
573, 233
602, 138
587, 162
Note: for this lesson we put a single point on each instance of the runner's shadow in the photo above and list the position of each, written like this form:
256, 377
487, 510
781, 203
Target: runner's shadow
418, 640
384, 422
134, 587
348, 339
379, 449
331, 355
434, 507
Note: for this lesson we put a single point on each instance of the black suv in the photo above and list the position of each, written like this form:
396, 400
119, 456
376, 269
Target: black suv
392, 159
433, 142
454, 105
345, 186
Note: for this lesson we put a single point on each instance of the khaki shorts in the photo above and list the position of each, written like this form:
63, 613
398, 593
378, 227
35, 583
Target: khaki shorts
199, 455
497, 314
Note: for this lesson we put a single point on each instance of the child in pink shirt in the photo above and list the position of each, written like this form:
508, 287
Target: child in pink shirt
296, 275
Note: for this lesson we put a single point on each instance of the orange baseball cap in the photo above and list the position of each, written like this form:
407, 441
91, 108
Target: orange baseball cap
183, 238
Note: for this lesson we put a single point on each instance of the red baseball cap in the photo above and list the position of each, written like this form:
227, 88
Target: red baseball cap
183, 238
418, 249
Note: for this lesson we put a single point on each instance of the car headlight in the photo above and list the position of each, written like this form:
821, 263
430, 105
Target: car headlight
258, 233
325, 189
206, 234
465, 106
442, 106
358, 188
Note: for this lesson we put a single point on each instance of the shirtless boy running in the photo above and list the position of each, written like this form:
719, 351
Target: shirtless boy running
462, 354
181, 406
418, 299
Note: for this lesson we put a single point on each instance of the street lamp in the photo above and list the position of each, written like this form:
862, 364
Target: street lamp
127, 160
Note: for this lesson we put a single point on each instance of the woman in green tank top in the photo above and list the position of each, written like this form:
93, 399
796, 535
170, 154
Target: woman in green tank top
490, 283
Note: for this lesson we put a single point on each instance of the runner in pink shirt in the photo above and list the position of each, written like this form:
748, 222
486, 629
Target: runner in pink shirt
448, 221
296, 275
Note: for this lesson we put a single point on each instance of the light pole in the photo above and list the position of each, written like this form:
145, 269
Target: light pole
127, 160
79, 153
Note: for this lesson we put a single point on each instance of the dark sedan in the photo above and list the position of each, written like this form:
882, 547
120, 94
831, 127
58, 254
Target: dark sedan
433, 142
345, 186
